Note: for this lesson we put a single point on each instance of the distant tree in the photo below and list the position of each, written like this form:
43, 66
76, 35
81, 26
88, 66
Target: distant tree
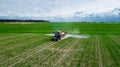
17, 20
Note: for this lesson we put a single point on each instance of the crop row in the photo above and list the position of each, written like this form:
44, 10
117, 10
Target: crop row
37, 50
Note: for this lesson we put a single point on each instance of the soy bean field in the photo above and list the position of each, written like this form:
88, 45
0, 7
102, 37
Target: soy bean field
26, 45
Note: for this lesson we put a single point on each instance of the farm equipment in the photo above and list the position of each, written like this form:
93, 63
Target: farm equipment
58, 36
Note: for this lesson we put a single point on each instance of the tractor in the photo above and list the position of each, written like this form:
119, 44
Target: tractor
58, 35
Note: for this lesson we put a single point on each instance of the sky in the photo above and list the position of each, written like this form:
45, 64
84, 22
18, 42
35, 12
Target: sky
52, 9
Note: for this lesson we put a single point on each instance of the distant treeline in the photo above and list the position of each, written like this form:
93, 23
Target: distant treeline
16, 20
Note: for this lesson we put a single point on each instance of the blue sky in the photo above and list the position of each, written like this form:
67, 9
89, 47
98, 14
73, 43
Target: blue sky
52, 9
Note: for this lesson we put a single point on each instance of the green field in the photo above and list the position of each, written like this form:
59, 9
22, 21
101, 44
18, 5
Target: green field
25, 45
79, 28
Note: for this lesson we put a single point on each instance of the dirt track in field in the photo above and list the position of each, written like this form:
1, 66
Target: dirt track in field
65, 53
32, 52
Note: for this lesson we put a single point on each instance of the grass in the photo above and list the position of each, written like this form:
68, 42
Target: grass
73, 28
26, 46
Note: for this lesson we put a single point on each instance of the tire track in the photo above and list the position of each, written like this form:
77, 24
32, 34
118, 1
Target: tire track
106, 54
85, 55
49, 55
114, 51
90, 54
75, 54
18, 40
32, 53
14, 41
26, 43
8, 35
27, 54
12, 36
99, 52
115, 39
11, 40
65, 53
4, 57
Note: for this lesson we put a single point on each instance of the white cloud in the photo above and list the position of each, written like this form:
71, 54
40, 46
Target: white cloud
51, 8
